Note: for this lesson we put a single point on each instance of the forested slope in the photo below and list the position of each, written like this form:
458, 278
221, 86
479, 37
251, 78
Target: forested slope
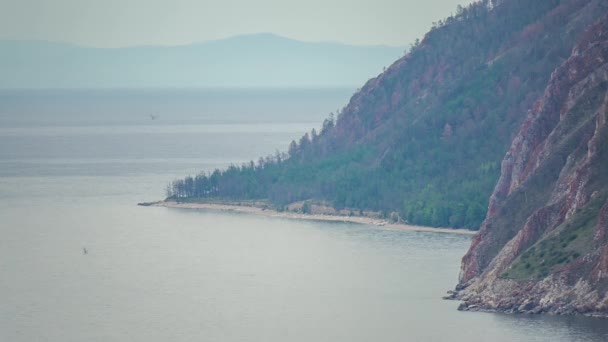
425, 138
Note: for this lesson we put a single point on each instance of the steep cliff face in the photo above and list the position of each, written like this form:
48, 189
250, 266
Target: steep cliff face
543, 246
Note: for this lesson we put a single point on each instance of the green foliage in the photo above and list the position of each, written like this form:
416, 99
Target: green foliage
572, 239
306, 207
425, 139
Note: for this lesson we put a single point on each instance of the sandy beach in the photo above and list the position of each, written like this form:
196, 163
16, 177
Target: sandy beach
291, 215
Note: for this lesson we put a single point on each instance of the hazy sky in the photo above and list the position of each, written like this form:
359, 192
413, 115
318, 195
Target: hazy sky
114, 23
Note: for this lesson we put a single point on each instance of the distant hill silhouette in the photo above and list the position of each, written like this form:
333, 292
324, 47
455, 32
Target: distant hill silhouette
259, 60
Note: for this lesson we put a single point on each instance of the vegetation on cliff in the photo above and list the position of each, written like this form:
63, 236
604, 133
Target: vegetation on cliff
544, 244
424, 139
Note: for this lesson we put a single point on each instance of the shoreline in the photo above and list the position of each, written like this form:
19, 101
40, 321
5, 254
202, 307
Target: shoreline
310, 217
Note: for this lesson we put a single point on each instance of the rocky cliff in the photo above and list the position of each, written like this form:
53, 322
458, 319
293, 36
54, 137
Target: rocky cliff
543, 246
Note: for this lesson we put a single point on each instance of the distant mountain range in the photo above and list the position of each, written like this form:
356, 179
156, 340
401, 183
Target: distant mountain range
259, 60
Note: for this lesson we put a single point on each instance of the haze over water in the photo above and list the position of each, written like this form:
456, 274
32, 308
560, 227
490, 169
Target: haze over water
73, 164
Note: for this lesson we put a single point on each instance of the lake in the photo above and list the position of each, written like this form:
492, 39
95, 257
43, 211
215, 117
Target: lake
73, 165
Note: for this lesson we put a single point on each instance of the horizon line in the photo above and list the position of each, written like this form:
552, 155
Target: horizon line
236, 36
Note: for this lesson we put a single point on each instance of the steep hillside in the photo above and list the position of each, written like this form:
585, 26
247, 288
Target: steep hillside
423, 140
544, 244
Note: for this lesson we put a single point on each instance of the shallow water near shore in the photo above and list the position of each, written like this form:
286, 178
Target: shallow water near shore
72, 170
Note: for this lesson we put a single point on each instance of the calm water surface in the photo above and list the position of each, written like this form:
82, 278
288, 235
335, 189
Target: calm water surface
74, 163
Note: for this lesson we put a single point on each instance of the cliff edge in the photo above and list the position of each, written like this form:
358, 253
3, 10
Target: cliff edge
543, 246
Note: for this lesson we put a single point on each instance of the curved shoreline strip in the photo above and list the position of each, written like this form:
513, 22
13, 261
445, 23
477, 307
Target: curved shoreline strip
312, 217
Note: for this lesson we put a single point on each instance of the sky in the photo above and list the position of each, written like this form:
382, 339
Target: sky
119, 23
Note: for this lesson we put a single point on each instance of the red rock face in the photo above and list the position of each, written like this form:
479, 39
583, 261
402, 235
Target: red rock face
553, 170
601, 230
